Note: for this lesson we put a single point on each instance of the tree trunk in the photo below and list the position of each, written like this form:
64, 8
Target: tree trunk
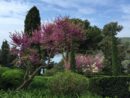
24, 84
27, 81
66, 65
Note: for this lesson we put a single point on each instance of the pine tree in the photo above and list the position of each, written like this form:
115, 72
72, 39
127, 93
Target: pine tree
5, 54
32, 21
72, 60
0, 58
116, 66
110, 49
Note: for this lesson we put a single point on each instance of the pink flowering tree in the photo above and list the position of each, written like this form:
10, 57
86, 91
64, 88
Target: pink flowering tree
89, 63
60, 37
56, 37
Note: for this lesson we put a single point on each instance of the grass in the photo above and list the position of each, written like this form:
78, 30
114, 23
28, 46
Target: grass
37, 93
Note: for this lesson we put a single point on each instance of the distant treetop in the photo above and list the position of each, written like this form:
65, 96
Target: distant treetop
32, 21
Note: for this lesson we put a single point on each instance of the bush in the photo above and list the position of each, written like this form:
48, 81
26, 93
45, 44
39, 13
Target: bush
3, 69
11, 78
57, 68
40, 82
110, 86
36, 93
50, 72
68, 83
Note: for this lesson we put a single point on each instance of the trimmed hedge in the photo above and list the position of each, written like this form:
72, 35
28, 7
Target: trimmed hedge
3, 69
40, 82
110, 86
68, 83
11, 78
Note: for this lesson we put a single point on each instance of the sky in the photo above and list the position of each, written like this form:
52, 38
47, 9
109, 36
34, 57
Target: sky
98, 12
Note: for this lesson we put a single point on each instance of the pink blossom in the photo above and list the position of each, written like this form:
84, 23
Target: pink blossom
89, 61
34, 57
16, 38
54, 37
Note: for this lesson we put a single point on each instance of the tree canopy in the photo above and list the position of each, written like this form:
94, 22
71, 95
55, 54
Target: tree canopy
32, 21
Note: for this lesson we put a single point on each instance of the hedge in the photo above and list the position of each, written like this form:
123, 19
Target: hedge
11, 78
110, 86
68, 83
40, 82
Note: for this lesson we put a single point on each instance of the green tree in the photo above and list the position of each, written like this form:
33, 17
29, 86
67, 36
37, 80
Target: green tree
5, 53
106, 49
0, 57
72, 60
92, 38
32, 21
84, 23
110, 47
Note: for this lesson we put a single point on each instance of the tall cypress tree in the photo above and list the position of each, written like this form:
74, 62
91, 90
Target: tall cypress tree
0, 57
72, 60
111, 51
5, 54
32, 21
116, 68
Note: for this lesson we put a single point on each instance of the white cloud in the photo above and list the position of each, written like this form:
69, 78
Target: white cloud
125, 8
61, 3
72, 7
87, 11
5, 31
12, 14
75, 3
126, 24
12, 8
10, 21
96, 2
125, 20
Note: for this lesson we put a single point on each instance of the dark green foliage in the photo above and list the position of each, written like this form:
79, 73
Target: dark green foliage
38, 93
116, 66
32, 21
3, 69
109, 46
84, 23
57, 68
5, 54
112, 28
72, 60
68, 83
11, 78
40, 82
106, 49
110, 86
93, 36
0, 57
51, 72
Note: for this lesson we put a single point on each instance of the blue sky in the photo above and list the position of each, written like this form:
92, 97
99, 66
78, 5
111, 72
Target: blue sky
98, 12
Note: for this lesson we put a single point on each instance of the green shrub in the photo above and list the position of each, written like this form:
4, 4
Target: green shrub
3, 69
36, 93
110, 86
57, 68
40, 82
68, 83
50, 72
11, 78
